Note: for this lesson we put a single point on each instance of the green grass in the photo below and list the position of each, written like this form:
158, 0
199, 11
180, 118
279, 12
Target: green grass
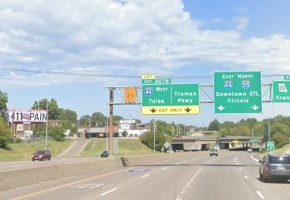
280, 151
126, 147
22, 151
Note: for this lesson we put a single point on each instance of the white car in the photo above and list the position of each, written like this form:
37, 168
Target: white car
249, 150
170, 151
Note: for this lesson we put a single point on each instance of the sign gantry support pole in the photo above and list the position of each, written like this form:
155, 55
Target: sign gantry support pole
111, 122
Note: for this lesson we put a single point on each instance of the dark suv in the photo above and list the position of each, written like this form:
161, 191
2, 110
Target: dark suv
274, 167
105, 154
41, 155
213, 152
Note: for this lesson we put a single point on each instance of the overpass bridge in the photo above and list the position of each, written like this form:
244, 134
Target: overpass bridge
203, 143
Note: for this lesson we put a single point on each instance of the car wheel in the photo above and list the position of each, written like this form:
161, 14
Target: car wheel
265, 179
261, 176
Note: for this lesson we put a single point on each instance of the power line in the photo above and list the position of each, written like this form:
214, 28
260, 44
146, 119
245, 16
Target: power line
114, 76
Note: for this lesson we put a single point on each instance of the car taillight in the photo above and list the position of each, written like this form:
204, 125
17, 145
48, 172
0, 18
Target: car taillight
267, 167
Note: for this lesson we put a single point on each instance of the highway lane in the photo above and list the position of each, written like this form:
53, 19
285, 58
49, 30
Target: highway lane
65, 158
231, 175
274, 190
10, 166
75, 149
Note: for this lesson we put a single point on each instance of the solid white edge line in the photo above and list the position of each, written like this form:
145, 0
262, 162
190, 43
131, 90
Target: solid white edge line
112, 190
260, 195
254, 158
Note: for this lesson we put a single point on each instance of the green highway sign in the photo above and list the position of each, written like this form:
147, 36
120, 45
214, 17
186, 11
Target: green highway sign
270, 145
281, 91
237, 92
255, 141
170, 99
286, 77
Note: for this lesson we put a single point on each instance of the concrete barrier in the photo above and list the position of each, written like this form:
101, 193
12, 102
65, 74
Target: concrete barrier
30, 176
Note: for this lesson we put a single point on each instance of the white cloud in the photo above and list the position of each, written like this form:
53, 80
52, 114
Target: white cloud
242, 23
125, 37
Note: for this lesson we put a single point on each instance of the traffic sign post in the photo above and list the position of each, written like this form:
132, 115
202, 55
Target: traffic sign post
165, 99
237, 92
270, 145
281, 91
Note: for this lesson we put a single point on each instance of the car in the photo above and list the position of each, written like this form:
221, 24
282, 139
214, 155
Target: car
41, 155
170, 151
274, 167
105, 154
249, 150
213, 152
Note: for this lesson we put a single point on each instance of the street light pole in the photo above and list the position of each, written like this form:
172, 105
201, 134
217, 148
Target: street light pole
269, 133
154, 135
46, 125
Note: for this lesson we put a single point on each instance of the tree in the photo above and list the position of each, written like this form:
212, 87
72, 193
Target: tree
280, 140
214, 125
148, 139
5, 134
57, 133
3, 102
53, 110
98, 119
85, 120
280, 128
66, 114
125, 133
240, 130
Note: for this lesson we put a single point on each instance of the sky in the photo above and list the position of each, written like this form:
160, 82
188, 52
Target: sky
73, 50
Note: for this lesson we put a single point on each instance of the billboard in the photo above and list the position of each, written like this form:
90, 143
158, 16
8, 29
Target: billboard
20, 116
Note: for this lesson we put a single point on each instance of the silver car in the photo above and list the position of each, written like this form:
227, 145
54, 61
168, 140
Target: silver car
274, 167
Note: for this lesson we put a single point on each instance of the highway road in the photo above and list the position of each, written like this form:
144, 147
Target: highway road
233, 175
65, 158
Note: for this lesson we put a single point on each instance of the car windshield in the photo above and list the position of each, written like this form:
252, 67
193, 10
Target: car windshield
39, 152
279, 160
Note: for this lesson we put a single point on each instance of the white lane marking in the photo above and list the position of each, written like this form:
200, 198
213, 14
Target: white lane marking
260, 195
112, 190
184, 190
164, 168
246, 177
254, 158
145, 176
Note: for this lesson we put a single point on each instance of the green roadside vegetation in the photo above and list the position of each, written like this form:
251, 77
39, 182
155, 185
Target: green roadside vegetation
22, 151
126, 147
280, 151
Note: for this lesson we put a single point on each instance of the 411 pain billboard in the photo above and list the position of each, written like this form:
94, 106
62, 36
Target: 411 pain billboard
20, 116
